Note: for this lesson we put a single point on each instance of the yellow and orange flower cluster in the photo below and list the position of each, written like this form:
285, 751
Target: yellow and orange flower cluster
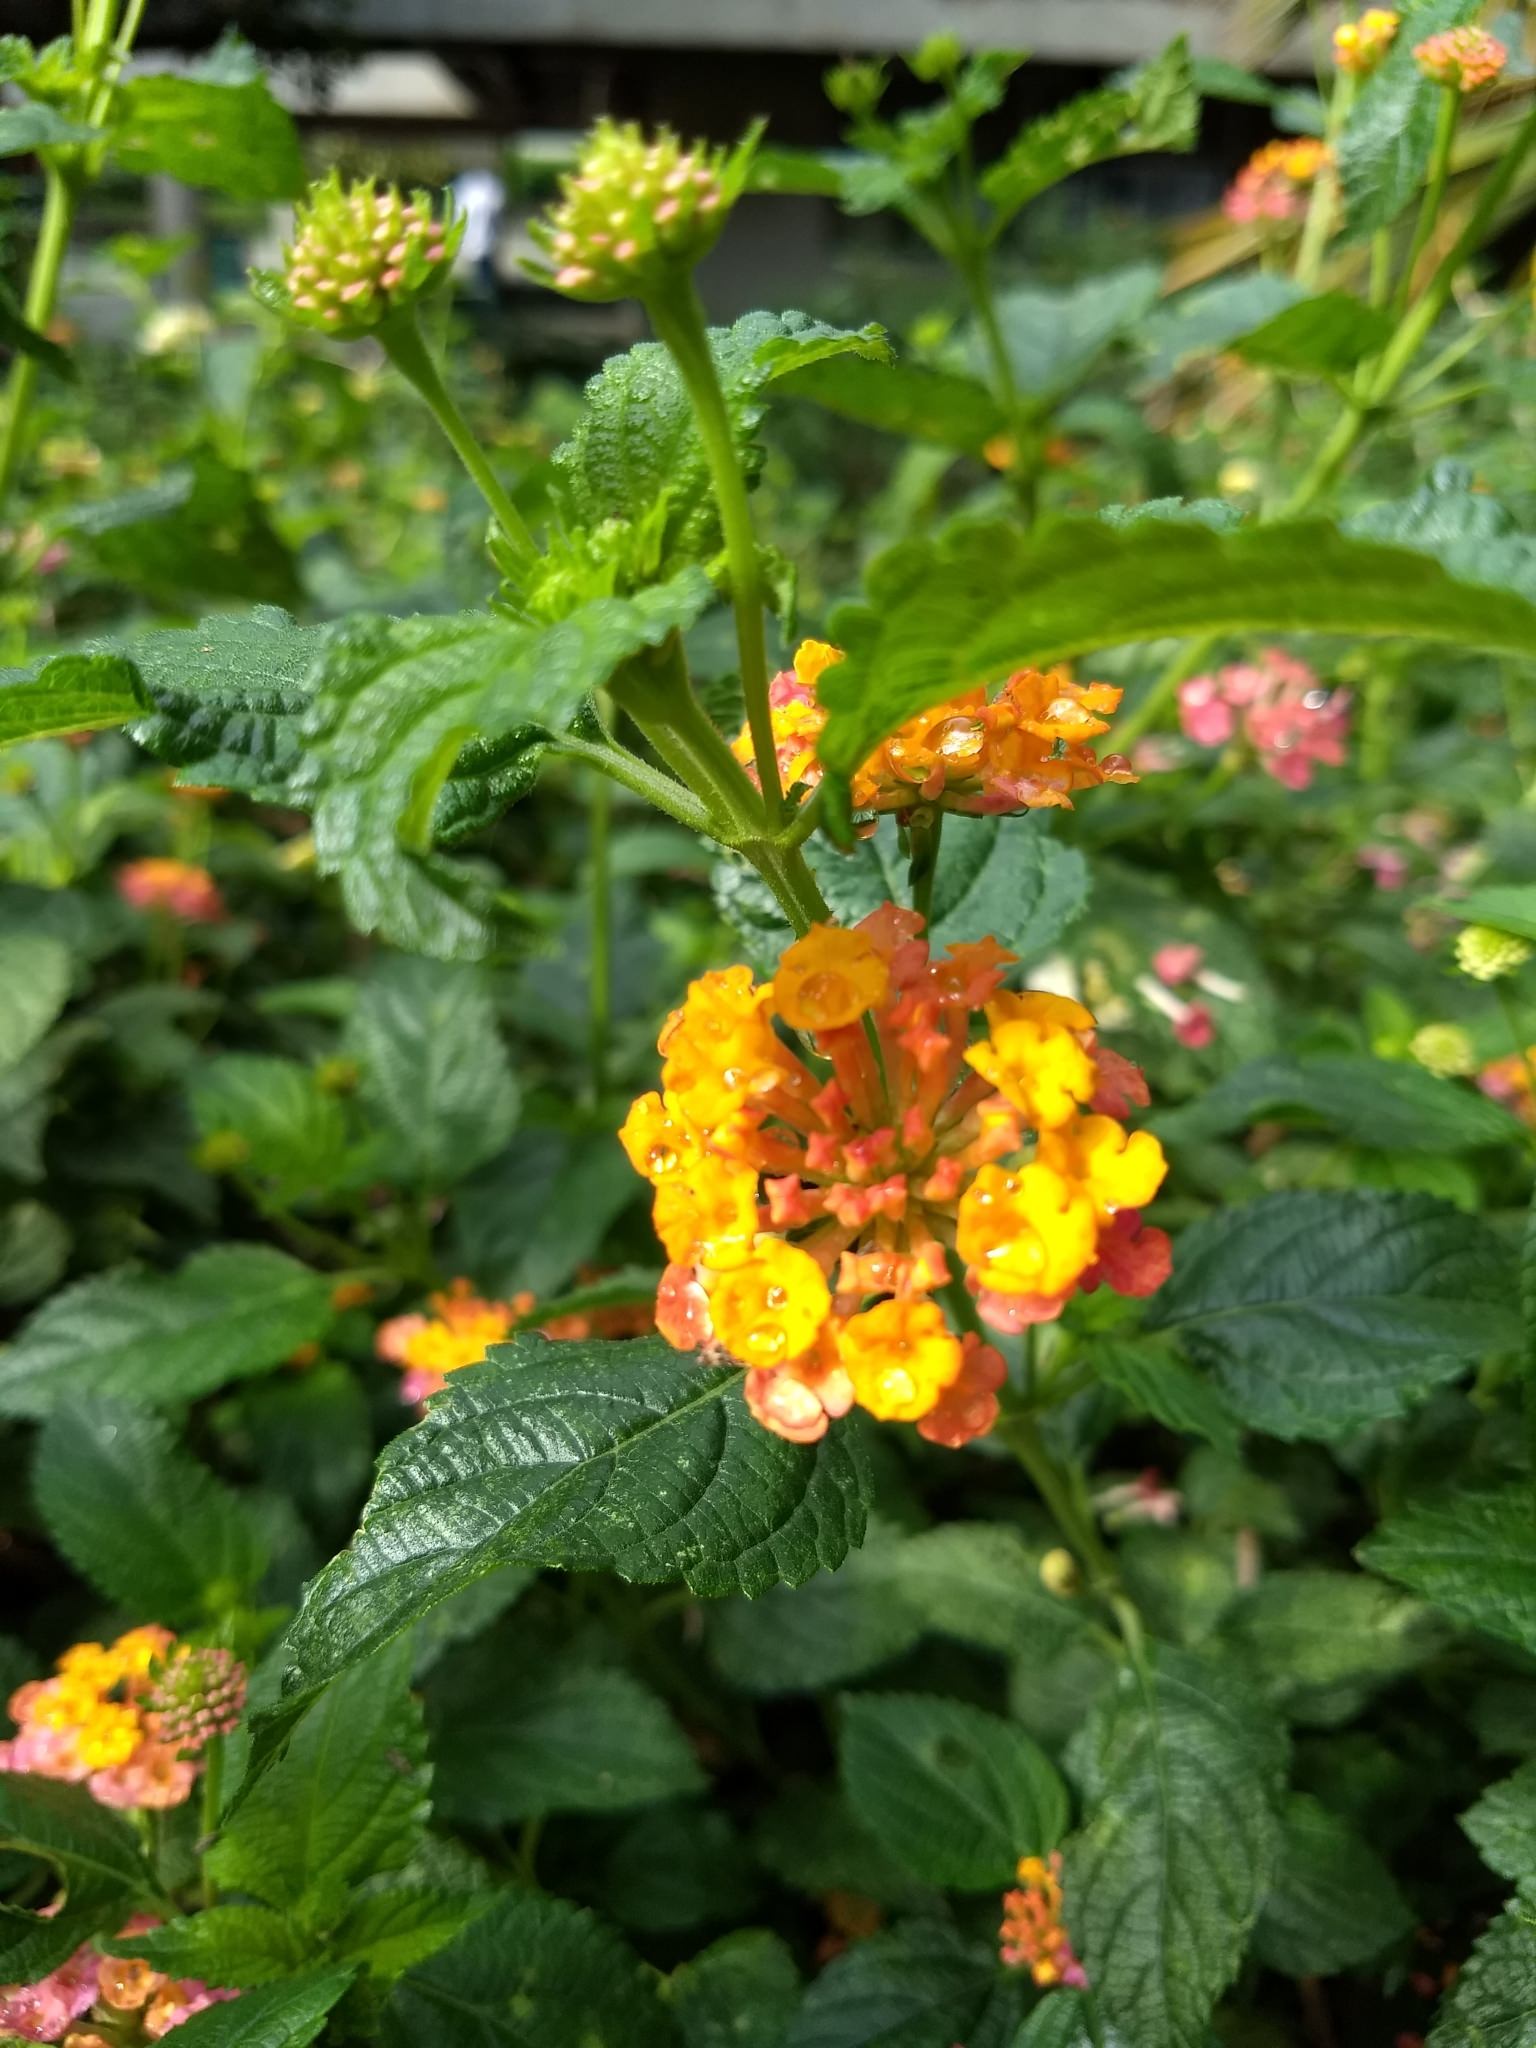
462, 1328
813, 1186
126, 1718
1273, 185
1032, 1936
1024, 750
1359, 46
1466, 59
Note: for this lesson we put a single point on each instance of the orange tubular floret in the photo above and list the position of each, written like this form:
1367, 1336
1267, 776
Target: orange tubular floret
815, 1196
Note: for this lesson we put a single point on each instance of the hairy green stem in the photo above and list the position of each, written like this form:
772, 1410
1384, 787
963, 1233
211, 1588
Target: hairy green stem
1447, 114
59, 199
600, 942
401, 338
1323, 207
678, 319
923, 835
641, 779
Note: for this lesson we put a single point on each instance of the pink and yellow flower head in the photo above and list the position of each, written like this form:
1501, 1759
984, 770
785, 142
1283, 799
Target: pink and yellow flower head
461, 1328
1024, 749
1464, 58
1292, 720
827, 1148
111, 1988
1032, 1936
178, 887
1359, 46
126, 1718
1274, 183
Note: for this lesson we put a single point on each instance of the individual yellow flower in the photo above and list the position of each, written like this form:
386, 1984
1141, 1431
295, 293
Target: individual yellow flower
900, 1356
1359, 46
710, 1213
658, 1142
770, 1309
1027, 1229
1039, 1066
1119, 1169
830, 977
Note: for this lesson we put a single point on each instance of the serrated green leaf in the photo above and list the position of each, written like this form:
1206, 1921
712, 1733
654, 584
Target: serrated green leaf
231, 1946
35, 973
1333, 1904
1472, 1554
1163, 1885
1502, 1826
285, 2015
232, 137
1006, 878
93, 1850
394, 702
437, 1083
143, 1521
741, 1992
980, 600
35, 126
901, 398
1162, 1386
69, 693
1318, 1312
627, 1457
1066, 2020
676, 1867
386, 1932
515, 1738
530, 1972
1153, 108
228, 695
1320, 1643
954, 1794
1323, 336
1493, 2001
1383, 154
295, 1130
1388, 1105
918, 1986
159, 1340
810, 1840
347, 1799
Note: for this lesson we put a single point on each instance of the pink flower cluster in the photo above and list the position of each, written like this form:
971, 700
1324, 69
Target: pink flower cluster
1291, 720
114, 1985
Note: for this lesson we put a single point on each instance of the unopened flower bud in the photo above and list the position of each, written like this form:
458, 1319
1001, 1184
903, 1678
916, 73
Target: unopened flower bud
1465, 58
636, 210
223, 1152
1444, 1049
359, 252
1359, 46
1059, 1574
1488, 955
338, 1076
197, 1694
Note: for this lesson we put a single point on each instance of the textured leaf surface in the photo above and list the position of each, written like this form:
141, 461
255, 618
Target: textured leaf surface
1502, 1826
1321, 1643
621, 1457
235, 138
1165, 1882
531, 1972
159, 1340
533, 1217
740, 1992
1319, 1311
95, 1853
1384, 151
228, 694
1493, 2003
387, 1931
1153, 108
35, 973
34, 1250
348, 1798
70, 693
954, 1794
1388, 1105
1162, 1386
143, 1521
973, 603
296, 1132
286, 2015
1472, 1554
919, 1986
435, 1074
1333, 1904
227, 1945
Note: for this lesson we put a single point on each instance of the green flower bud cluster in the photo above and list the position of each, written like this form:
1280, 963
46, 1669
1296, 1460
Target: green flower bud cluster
360, 251
636, 210
1488, 954
197, 1694
1443, 1049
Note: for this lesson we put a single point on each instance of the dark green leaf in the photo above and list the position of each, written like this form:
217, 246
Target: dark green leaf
1502, 1826
93, 1850
34, 1250
295, 1130
199, 531
1321, 1643
286, 2015
1165, 1882
1383, 154
530, 1972
232, 1946
1493, 2002
35, 973
1333, 1904
1387, 1105
1153, 108
347, 1799
901, 398
70, 693
944, 614
1473, 1554
1065, 2020
436, 1080
1156, 1383
919, 1986
1318, 1312
159, 1340
675, 1867
1319, 337
628, 1457
386, 1932
143, 1521
533, 1217
235, 138
954, 1794
741, 1992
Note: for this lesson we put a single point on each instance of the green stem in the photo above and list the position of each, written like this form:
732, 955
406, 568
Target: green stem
678, 319
1447, 115
59, 200
639, 777
400, 335
1322, 208
212, 1811
528, 1850
785, 871
1381, 266
923, 833
600, 947
654, 690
